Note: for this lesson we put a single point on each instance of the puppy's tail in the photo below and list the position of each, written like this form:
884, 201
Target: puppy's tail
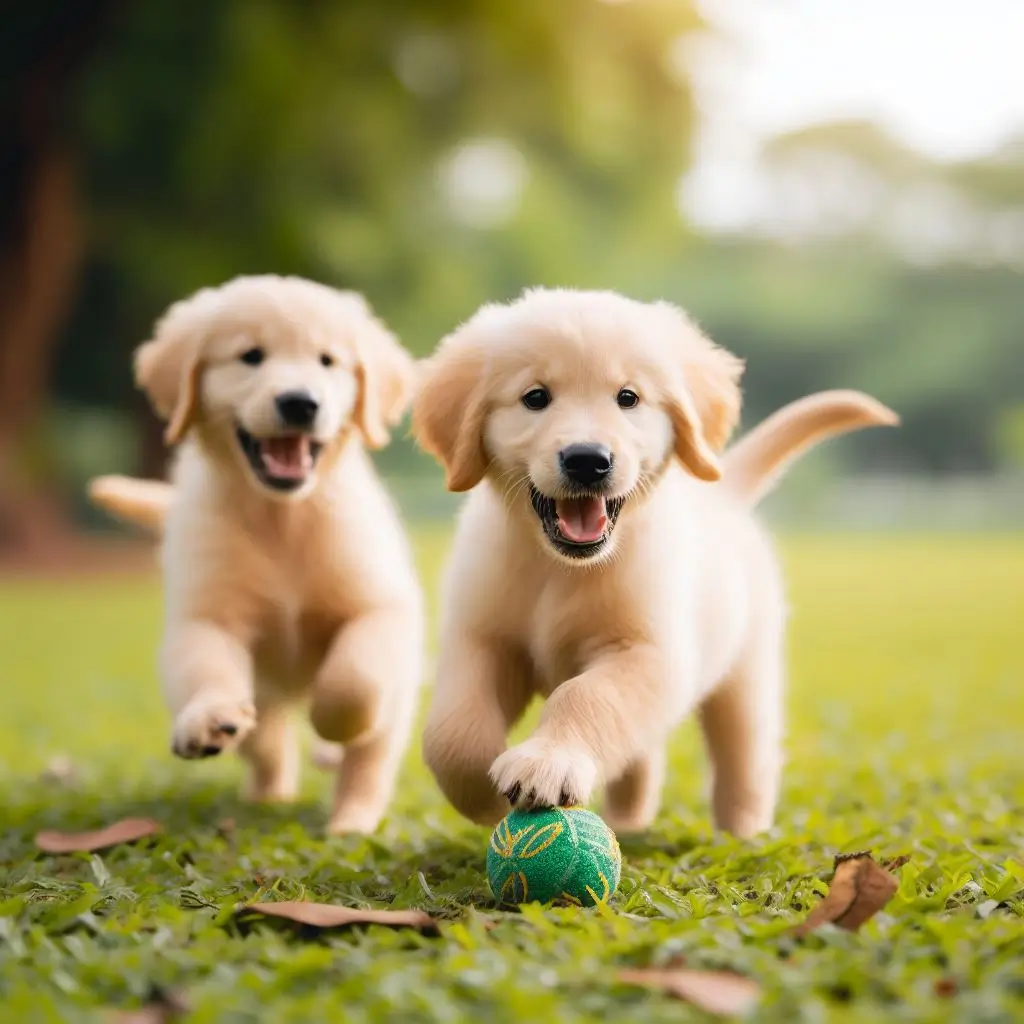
139, 502
754, 465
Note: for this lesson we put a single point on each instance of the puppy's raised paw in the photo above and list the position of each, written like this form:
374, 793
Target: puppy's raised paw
209, 725
537, 773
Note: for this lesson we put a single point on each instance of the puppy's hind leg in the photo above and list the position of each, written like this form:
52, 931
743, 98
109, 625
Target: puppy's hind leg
272, 751
632, 800
364, 698
367, 774
742, 722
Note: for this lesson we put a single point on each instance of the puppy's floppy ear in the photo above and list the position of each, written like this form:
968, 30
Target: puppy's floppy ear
167, 367
386, 373
449, 408
705, 397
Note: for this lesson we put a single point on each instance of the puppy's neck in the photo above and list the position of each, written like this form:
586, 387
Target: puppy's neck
226, 486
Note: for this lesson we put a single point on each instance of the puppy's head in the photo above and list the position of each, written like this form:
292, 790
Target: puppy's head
573, 404
270, 372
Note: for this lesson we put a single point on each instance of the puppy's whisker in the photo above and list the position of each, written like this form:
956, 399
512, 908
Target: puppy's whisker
508, 483
506, 480
515, 488
643, 488
513, 484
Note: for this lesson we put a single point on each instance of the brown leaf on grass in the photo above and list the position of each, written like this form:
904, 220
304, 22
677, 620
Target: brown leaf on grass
896, 862
327, 915
860, 888
161, 1008
946, 988
722, 993
128, 830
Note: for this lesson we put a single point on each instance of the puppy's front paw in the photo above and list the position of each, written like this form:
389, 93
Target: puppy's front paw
541, 774
208, 726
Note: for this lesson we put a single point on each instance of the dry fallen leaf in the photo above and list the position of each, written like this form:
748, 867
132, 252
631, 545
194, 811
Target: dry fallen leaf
859, 889
896, 862
161, 1008
326, 915
126, 831
722, 993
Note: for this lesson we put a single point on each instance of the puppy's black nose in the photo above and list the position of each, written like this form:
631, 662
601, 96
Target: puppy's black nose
585, 464
297, 408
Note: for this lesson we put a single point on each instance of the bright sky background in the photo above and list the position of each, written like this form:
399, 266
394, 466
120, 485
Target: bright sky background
945, 76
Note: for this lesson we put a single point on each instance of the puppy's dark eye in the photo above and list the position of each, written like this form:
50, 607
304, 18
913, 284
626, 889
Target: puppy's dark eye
536, 399
627, 399
252, 356
327, 359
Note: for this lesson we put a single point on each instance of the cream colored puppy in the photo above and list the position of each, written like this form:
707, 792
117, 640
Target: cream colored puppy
288, 578
607, 559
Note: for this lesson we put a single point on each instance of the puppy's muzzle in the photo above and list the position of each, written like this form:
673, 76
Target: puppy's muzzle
297, 409
578, 521
586, 465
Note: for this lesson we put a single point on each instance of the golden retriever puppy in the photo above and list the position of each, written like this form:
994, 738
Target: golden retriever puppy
288, 577
607, 558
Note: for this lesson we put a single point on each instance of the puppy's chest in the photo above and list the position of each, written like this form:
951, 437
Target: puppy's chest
568, 627
299, 615
292, 640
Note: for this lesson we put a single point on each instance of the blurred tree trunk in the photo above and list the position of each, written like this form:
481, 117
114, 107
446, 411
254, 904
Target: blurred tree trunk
38, 281
40, 247
153, 453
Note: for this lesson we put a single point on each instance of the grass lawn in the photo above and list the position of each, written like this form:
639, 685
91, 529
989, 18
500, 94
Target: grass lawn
906, 737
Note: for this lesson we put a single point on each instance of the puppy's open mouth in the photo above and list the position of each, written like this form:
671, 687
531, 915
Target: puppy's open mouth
282, 463
578, 526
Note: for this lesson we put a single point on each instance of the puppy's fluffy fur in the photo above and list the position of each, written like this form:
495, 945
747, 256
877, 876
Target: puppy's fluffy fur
288, 578
628, 598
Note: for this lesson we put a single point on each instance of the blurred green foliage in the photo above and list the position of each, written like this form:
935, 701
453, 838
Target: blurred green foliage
258, 135
942, 345
327, 139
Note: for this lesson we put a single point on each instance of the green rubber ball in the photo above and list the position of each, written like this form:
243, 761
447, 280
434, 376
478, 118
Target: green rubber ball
566, 854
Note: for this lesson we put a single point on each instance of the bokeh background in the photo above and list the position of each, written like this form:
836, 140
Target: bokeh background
836, 191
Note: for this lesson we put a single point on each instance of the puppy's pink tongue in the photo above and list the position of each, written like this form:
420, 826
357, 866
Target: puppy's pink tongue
581, 519
287, 458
